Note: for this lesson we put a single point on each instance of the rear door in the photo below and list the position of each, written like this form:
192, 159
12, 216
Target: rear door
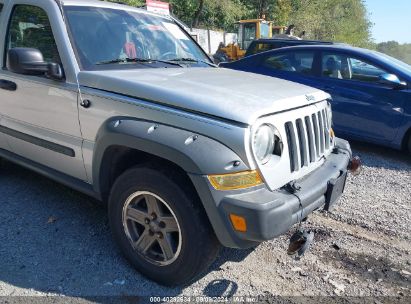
297, 65
363, 107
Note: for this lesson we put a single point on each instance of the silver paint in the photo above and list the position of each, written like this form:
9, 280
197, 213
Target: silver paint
223, 105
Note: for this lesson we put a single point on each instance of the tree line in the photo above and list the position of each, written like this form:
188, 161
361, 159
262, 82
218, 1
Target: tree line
344, 21
336, 20
396, 50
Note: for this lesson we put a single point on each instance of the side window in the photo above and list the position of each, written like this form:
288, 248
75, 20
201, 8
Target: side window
299, 62
30, 27
341, 66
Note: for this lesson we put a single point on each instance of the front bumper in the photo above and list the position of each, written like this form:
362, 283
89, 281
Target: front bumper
270, 214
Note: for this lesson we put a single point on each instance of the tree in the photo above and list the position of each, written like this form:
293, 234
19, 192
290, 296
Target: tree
281, 12
136, 3
214, 14
198, 12
394, 49
336, 20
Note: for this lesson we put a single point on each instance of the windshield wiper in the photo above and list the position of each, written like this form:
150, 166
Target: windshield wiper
193, 60
136, 60
122, 60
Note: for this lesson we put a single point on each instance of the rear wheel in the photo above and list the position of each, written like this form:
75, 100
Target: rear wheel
160, 227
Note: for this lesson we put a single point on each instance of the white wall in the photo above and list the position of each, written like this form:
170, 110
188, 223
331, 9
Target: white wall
209, 40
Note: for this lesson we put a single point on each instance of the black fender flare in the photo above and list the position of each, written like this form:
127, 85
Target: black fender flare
194, 153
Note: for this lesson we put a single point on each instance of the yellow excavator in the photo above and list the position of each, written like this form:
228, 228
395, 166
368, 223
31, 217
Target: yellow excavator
248, 31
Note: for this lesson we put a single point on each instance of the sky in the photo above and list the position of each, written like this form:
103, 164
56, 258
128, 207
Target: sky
391, 18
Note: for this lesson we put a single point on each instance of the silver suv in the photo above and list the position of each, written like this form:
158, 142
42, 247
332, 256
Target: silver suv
123, 105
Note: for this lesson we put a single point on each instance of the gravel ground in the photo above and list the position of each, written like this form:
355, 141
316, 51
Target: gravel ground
56, 242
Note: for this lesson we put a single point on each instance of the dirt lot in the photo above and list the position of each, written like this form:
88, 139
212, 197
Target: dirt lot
55, 241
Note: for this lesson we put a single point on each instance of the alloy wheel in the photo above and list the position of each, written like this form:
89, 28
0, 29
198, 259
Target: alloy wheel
152, 228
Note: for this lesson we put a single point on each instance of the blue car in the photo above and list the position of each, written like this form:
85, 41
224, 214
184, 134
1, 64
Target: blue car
371, 91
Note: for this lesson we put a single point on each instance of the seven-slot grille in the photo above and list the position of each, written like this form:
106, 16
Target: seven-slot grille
308, 139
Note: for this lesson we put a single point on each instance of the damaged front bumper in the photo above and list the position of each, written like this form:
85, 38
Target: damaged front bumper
269, 214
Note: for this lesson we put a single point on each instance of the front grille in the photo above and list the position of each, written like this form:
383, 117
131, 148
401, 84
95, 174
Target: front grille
308, 139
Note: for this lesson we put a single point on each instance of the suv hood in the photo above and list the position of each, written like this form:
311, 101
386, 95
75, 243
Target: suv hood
224, 93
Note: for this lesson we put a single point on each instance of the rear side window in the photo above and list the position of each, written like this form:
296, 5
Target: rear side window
299, 62
30, 27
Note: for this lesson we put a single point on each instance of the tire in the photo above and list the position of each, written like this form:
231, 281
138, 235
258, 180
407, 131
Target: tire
173, 258
409, 145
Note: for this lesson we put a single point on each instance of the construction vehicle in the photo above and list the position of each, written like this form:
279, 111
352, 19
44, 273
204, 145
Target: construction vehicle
248, 31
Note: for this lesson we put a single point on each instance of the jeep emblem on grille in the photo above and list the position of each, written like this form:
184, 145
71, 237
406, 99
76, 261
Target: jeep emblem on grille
310, 97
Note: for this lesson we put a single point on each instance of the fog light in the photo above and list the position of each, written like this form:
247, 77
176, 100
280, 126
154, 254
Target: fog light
355, 165
239, 223
235, 181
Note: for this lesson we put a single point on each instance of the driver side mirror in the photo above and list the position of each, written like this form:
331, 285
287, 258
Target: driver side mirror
28, 61
392, 81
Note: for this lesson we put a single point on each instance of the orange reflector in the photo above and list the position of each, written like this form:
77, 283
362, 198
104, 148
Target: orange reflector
332, 134
239, 223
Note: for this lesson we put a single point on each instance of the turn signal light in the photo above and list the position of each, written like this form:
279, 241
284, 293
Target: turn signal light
235, 181
239, 222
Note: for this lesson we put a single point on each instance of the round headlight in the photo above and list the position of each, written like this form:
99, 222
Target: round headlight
263, 143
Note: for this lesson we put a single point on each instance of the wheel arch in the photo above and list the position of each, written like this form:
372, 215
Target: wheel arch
119, 158
124, 142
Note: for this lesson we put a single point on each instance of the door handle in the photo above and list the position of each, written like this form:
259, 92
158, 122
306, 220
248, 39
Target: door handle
8, 85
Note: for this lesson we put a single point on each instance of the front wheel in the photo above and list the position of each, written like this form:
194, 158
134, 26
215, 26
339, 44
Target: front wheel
160, 227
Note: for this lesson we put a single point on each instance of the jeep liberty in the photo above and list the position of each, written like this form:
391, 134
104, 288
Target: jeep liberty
124, 106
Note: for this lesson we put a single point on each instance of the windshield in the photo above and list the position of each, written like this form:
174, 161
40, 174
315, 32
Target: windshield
103, 36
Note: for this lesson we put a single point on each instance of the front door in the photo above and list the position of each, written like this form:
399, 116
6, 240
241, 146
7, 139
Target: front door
363, 107
40, 117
